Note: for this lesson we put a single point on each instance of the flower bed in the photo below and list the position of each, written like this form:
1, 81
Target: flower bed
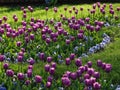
55, 41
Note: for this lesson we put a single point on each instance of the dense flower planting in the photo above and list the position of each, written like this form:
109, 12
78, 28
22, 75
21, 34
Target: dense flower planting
52, 42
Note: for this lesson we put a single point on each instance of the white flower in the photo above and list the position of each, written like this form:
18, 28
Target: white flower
60, 88
58, 46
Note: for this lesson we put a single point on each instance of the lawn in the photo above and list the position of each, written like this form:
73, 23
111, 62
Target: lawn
110, 54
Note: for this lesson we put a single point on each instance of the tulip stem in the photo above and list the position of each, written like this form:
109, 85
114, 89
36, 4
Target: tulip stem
1, 67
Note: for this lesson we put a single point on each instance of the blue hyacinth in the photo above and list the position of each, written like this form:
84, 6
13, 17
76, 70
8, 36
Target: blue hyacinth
3, 88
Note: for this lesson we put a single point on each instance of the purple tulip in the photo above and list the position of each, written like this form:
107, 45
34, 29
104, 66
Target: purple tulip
22, 8
103, 65
92, 11
86, 67
27, 82
53, 64
55, 9
99, 63
0, 21
31, 61
38, 79
15, 19
5, 18
23, 50
94, 6
98, 4
86, 76
24, 15
116, 17
96, 86
76, 11
47, 67
67, 41
79, 73
118, 8
51, 21
21, 53
10, 73
20, 76
18, 43
97, 28
93, 79
32, 36
90, 71
65, 8
5, 66
29, 73
80, 35
20, 58
50, 79
87, 19
96, 75
32, 19
112, 12
78, 62
72, 56
108, 68
2, 58
70, 11
82, 68
42, 56
68, 61
48, 84
73, 76
88, 82
52, 71
74, 8
54, 39
81, 9
48, 40
49, 59
66, 81
46, 8
30, 67
89, 64
8, 34
88, 26
67, 73
92, 28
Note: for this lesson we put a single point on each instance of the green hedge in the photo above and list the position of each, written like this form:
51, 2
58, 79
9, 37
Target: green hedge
87, 1
59, 1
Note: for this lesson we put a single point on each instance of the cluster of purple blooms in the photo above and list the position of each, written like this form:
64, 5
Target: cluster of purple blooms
85, 74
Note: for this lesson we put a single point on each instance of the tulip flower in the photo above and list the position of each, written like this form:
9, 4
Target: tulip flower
52, 71
66, 81
20, 76
27, 82
10, 73
2, 58
5, 66
47, 67
73, 76
96, 86
68, 61
38, 79
78, 62
48, 84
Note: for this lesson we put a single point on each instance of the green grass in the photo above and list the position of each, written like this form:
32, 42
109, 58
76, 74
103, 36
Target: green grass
111, 54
